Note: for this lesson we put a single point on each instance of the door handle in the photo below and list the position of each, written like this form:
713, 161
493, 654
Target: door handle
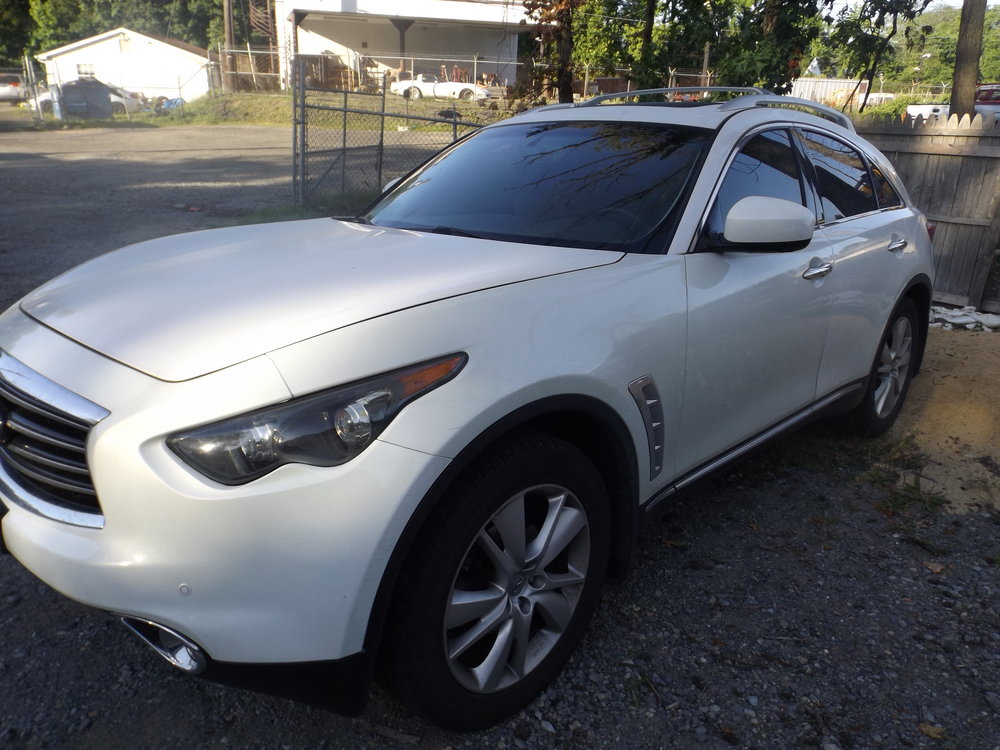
897, 245
817, 272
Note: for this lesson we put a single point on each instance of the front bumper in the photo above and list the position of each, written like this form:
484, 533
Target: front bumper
283, 569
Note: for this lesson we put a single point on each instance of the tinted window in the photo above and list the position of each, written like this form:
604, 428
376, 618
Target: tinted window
845, 187
887, 195
766, 166
579, 184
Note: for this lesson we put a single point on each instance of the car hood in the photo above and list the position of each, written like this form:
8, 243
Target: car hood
182, 306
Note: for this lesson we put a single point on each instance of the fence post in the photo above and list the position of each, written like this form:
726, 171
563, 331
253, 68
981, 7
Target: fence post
381, 135
343, 148
299, 129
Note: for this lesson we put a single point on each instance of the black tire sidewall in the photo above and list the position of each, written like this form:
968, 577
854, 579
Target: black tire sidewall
864, 420
420, 671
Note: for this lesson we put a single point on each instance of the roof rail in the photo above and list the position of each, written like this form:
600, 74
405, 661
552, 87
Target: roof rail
673, 90
774, 100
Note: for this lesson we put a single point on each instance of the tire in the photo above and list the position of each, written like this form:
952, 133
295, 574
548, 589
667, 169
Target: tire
501, 584
889, 380
117, 108
46, 108
465, 94
415, 93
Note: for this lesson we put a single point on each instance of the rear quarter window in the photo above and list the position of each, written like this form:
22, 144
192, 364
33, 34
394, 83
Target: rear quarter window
842, 178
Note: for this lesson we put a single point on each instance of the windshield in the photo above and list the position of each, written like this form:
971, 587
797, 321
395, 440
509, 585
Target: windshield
606, 185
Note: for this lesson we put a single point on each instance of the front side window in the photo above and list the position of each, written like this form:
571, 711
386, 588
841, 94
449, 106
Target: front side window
845, 187
766, 166
602, 185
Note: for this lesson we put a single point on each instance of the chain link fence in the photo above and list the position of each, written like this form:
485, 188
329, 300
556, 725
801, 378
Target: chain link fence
349, 143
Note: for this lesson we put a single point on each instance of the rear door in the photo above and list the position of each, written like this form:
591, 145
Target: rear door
871, 235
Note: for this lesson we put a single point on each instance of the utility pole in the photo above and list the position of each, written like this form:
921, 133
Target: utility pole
227, 59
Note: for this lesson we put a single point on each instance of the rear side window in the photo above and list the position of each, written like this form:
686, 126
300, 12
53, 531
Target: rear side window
844, 184
887, 195
765, 165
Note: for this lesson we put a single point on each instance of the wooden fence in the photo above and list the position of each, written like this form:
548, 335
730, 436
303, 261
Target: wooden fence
952, 171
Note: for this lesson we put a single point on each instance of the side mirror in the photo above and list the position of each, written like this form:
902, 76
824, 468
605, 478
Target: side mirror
391, 184
769, 223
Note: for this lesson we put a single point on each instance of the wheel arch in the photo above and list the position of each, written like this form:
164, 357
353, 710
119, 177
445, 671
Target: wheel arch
590, 425
920, 292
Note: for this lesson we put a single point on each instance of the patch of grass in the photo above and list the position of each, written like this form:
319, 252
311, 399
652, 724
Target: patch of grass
345, 204
907, 493
348, 204
283, 213
895, 466
229, 109
890, 462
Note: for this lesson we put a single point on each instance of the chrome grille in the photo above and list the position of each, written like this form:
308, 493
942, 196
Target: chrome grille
43, 437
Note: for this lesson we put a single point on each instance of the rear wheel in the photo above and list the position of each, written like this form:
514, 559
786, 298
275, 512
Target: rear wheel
415, 93
890, 375
500, 587
117, 108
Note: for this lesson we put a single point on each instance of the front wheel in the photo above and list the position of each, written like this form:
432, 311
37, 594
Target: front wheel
465, 94
501, 585
889, 380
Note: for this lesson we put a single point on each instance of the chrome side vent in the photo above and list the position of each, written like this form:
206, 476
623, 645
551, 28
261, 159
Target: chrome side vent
43, 438
647, 398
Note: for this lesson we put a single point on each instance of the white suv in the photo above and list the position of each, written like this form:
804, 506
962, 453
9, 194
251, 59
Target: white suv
428, 434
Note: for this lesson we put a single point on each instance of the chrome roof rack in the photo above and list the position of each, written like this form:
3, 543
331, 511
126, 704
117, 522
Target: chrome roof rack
775, 100
743, 90
749, 97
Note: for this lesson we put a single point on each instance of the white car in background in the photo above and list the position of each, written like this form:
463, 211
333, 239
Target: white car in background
12, 88
987, 102
425, 436
429, 85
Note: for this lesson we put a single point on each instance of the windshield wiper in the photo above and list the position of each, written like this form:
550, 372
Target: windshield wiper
454, 232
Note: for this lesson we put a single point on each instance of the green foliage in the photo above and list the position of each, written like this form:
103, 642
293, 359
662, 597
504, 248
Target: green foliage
866, 33
15, 20
768, 43
895, 107
199, 22
752, 42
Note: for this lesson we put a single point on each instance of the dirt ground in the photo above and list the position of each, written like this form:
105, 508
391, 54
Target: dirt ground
953, 413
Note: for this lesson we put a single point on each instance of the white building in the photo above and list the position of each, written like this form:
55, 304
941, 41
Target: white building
418, 36
132, 61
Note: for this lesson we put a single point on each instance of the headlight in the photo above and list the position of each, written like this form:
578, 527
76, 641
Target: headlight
323, 429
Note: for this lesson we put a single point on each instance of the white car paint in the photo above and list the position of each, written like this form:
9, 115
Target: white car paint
172, 334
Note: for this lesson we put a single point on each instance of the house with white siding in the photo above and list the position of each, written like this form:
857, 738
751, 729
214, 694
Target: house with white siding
132, 61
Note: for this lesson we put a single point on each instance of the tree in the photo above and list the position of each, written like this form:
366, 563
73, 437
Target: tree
556, 20
198, 22
15, 20
767, 44
970, 43
866, 31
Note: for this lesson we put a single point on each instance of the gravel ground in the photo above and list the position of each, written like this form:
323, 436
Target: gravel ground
795, 602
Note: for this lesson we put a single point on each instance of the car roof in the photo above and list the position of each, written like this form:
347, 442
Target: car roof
641, 106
